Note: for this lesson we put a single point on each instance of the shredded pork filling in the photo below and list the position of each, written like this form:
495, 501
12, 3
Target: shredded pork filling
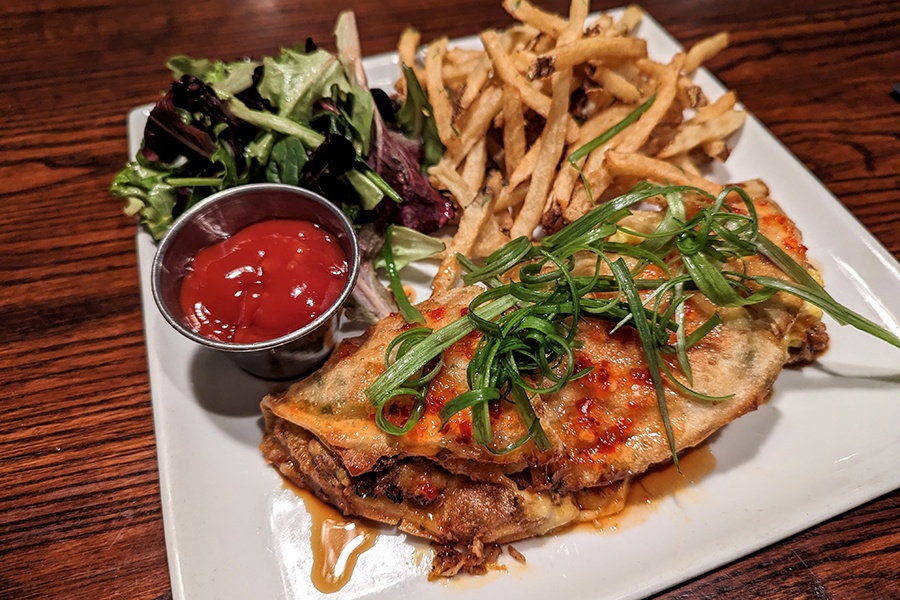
423, 499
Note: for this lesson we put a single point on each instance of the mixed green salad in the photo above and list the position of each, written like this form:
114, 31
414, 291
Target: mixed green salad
300, 118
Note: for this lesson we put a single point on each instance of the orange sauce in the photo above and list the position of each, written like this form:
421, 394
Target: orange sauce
336, 541
410, 292
648, 490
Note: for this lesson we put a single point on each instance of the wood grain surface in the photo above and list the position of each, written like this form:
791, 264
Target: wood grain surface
79, 494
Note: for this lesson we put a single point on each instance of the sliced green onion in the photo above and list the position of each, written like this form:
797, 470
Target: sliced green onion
425, 351
651, 351
837, 311
418, 409
410, 313
611, 132
603, 138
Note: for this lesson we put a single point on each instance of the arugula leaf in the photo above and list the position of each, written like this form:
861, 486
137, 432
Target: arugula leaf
224, 156
357, 107
370, 195
210, 71
416, 120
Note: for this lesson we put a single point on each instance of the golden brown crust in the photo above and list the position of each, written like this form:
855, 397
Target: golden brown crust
603, 428
418, 496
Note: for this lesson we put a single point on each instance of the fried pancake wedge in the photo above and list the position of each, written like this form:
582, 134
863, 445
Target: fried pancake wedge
603, 428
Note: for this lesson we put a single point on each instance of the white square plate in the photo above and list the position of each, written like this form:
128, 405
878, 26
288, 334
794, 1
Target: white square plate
828, 440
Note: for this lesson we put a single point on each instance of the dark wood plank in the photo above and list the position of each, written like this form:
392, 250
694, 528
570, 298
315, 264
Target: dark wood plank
79, 494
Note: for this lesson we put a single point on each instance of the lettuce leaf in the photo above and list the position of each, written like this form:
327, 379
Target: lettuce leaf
232, 78
409, 246
147, 194
294, 80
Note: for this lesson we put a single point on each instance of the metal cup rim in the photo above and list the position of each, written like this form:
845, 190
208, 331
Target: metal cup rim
251, 188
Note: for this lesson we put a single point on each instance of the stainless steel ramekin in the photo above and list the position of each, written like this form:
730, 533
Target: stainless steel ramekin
222, 215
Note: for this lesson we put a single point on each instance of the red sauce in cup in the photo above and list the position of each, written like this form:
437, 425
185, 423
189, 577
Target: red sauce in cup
265, 281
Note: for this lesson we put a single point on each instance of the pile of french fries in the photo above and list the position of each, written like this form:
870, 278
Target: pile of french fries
512, 115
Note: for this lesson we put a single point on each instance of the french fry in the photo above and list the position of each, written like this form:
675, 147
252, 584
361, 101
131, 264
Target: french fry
631, 17
441, 109
722, 105
566, 56
513, 128
491, 237
521, 59
494, 184
685, 163
519, 37
583, 197
639, 166
473, 169
716, 149
510, 198
407, 46
471, 223
553, 139
636, 136
690, 95
600, 27
482, 112
578, 12
704, 50
557, 129
504, 219
629, 140
445, 177
406, 51
618, 86
527, 13
524, 79
457, 73
565, 181
506, 70
692, 134
475, 81
524, 168
542, 43
458, 56
601, 122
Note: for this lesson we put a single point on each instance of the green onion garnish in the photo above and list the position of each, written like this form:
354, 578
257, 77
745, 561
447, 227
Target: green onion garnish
410, 313
529, 325
605, 137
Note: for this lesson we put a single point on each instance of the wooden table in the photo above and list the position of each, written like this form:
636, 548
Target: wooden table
79, 494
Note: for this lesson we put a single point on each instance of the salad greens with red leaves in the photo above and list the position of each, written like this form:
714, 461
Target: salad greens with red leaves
304, 117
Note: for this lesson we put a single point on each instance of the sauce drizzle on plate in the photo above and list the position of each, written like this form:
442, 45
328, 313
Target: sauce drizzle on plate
337, 542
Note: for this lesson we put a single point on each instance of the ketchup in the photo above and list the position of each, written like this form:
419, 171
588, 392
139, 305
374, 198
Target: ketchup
265, 281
